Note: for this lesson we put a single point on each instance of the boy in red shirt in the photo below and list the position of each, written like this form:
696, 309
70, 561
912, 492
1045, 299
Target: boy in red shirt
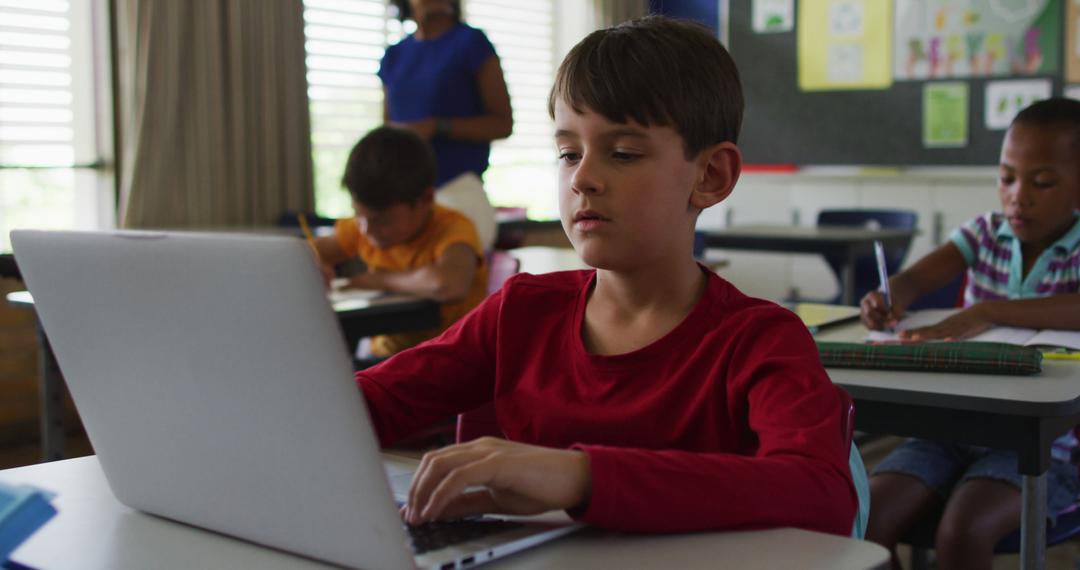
648, 394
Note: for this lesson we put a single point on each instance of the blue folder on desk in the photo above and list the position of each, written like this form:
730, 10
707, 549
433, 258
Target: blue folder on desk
23, 509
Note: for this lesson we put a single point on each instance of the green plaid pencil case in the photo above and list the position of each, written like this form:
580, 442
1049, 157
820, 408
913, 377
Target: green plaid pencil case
968, 357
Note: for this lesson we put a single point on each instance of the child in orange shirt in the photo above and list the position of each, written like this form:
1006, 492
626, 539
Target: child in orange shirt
410, 244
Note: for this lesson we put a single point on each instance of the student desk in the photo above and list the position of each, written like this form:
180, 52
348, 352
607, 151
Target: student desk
93, 530
1017, 413
385, 314
843, 241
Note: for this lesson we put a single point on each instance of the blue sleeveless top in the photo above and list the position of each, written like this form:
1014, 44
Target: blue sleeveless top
437, 78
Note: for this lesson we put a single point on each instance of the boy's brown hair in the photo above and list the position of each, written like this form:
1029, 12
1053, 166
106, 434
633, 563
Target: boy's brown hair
389, 166
656, 71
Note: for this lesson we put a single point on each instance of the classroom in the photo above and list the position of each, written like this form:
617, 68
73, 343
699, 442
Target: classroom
557, 283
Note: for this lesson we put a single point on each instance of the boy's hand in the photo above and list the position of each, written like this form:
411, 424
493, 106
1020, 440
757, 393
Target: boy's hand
517, 478
965, 324
362, 281
875, 315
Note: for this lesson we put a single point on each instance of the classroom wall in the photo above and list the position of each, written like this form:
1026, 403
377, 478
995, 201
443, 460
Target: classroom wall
943, 199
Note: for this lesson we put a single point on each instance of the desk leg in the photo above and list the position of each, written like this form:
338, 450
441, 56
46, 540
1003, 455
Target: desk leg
847, 275
1033, 523
51, 393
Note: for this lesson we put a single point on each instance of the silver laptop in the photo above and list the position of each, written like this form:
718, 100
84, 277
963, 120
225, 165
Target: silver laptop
210, 374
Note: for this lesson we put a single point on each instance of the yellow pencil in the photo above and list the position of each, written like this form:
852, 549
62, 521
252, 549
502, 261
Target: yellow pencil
300, 217
1061, 355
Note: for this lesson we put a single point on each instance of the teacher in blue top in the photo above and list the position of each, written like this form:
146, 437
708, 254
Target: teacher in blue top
445, 83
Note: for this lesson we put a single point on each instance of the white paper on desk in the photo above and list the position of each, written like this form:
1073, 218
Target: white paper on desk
352, 295
918, 319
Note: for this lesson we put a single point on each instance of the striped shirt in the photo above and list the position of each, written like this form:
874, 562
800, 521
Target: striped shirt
996, 271
995, 265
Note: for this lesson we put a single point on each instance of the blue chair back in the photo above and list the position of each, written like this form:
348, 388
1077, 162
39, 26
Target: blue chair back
866, 277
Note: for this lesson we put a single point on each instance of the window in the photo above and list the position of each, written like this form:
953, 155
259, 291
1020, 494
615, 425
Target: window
345, 42
523, 169
49, 137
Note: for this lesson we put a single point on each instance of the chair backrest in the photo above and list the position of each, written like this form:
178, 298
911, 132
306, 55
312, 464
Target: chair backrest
866, 277
847, 418
502, 265
859, 476
478, 423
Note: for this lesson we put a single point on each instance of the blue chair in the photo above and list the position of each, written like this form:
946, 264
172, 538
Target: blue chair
947, 297
866, 276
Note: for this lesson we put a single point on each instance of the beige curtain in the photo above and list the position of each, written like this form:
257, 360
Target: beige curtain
214, 112
607, 13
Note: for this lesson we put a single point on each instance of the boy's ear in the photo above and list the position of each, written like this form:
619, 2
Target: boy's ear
722, 164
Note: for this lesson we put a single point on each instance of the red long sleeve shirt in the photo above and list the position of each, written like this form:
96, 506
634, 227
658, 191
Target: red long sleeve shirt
728, 421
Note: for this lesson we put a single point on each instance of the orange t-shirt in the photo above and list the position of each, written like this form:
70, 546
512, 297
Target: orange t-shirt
445, 228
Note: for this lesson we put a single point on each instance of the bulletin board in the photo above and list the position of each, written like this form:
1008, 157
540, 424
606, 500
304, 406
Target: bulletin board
931, 108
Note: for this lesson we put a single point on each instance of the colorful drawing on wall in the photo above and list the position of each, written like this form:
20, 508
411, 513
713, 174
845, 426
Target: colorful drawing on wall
844, 44
945, 114
772, 16
1072, 44
945, 39
1004, 99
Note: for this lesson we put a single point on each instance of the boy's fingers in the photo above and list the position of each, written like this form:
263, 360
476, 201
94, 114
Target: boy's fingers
469, 504
478, 472
433, 470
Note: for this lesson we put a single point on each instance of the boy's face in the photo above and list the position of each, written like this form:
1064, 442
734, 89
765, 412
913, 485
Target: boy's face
623, 189
394, 225
1039, 183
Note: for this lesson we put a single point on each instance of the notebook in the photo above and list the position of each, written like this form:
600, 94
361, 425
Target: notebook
1042, 339
209, 373
817, 316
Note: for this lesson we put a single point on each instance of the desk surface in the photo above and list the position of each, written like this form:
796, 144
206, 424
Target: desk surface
1054, 392
817, 233
93, 530
802, 239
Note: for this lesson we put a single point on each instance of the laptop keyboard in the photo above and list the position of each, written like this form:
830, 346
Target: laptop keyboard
440, 534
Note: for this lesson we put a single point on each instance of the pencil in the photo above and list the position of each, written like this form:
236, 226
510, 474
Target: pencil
1061, 355
300, 217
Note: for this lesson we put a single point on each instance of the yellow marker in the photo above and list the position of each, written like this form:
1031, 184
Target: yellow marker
300, 217
1061, 355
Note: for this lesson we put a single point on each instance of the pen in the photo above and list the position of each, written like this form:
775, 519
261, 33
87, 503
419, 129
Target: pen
302, 219
883, 274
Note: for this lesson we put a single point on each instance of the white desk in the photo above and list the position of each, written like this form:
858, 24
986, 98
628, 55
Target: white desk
847, 242
92, 530
1016, 413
